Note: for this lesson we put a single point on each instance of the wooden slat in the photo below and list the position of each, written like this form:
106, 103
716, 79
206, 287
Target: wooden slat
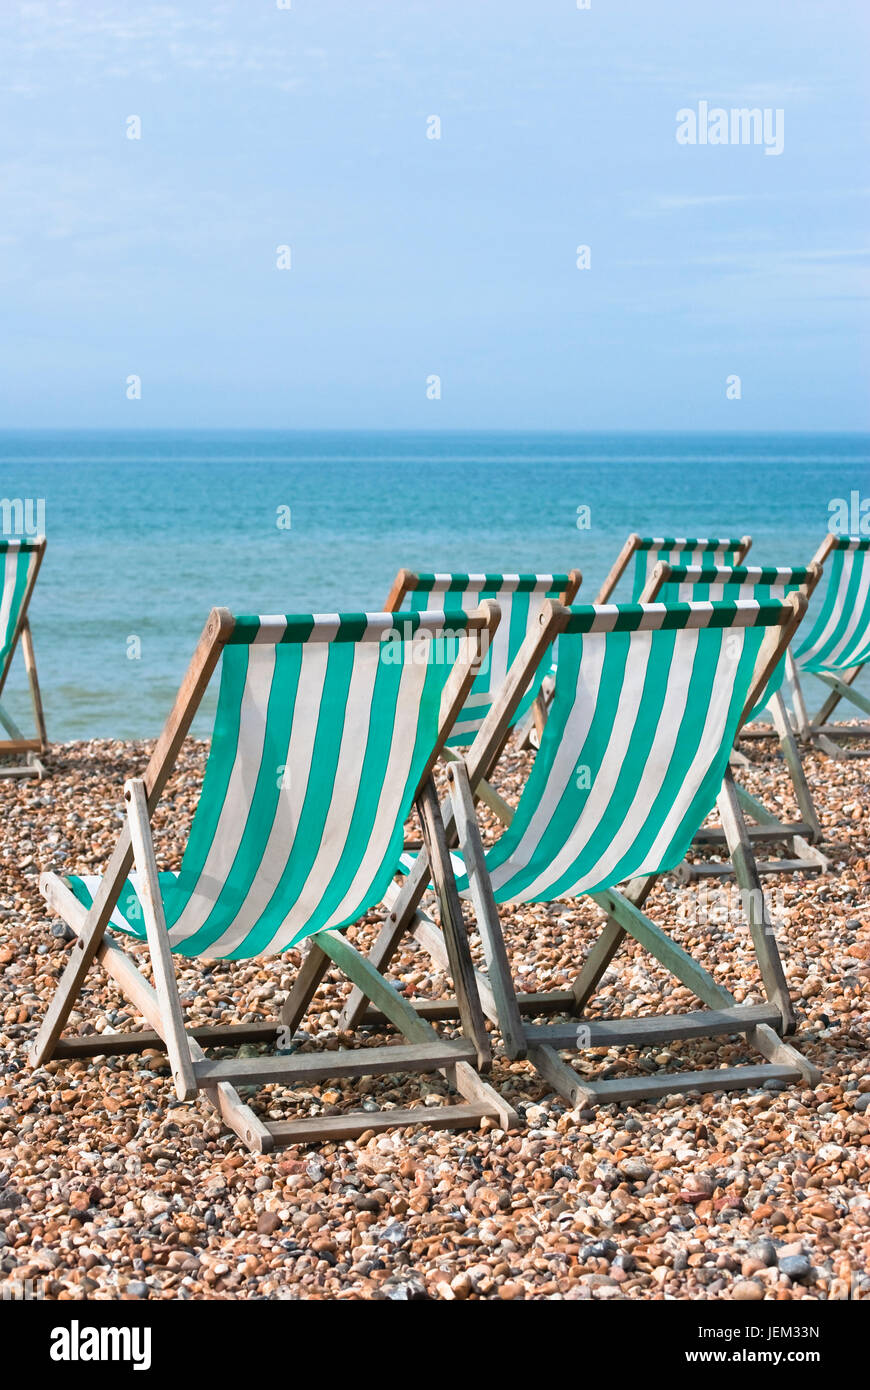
554, 1001
688, 873
163, 967
322, 1129
486, 912
453, 927
622, 1090
210, 1035
302, 1067
641, 1032
715, 835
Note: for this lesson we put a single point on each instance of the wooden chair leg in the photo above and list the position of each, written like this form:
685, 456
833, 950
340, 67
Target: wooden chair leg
315, 964
33, 679
755, 906
788, 744
452, 923
486, 912
606, 946
165, 983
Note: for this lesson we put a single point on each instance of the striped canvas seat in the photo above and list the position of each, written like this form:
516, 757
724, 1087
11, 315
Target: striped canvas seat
840, 637
648, 699
647, 703
520, 598
688, 583
652, 550
323, 730
19, 561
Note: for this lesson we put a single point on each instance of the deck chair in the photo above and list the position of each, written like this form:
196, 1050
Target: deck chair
681, 584
649, 551
837, 648
19, 566
520, 598
647, 705
325, 735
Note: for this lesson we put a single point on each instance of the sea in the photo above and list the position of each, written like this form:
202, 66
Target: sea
147, 531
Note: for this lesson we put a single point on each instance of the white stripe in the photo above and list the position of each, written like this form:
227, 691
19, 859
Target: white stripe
709, 745
857, 615
653, 775
390, 802
836, 612
291, 797
240, 791
345, 791
564, 767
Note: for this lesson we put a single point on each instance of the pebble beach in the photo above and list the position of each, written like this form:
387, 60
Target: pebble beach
112, 1189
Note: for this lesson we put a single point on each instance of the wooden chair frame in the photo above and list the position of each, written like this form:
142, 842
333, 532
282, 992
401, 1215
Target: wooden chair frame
803, 835
762, 1025
405, 583
460, 1060
17, 742
818, 729
632, 545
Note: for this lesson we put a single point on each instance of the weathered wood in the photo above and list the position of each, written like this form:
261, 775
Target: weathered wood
33, 681
631, 1089
642, 1032
559, 1075
788, 744
486, 912
315, 963
453, 924
843, 689
158, 941
691, 873
322, 1129
303, 1068
754, 903
124, 1044
605, 948
618, 569
771, 1046
554, 1001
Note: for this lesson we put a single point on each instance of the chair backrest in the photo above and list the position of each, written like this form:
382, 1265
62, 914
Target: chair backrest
19, 566
325, 729
520, 597
648, 700
686, 550
839, 640
696, 583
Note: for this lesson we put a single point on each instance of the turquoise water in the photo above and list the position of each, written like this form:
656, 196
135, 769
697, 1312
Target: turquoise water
148, 530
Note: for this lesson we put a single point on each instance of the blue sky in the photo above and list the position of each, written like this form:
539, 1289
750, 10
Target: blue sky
264, 126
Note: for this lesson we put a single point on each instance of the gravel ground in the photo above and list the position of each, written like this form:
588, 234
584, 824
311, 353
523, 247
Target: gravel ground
109, 1188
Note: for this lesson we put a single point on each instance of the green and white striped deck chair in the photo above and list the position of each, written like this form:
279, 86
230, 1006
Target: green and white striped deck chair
19, 566
325, 735
648, 701
520, 598
682, 584
837, 647
649, 551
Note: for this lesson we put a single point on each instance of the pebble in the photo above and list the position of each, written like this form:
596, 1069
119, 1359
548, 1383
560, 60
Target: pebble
747, 1291
110, 1186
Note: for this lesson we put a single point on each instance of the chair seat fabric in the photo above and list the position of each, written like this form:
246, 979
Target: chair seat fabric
840, 637
323, 730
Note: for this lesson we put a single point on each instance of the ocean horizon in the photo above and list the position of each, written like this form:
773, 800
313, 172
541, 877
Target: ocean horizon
149, 529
